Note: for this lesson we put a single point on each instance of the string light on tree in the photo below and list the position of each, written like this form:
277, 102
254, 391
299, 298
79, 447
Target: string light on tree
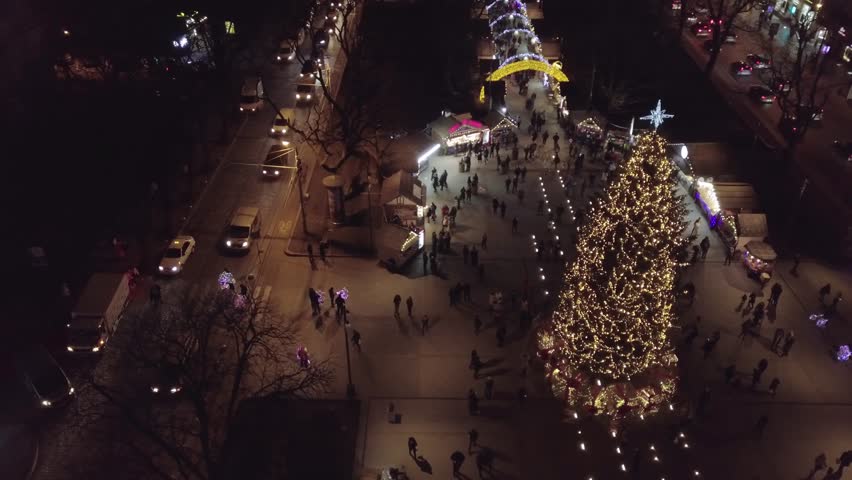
616, 305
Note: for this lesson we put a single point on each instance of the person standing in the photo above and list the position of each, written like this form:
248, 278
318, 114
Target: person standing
705, 246
730, 371
472, 402
475, 363
412, 447
776, 293
795, 269
503, 209
477, 324
472, 438
313, 296
760, 426
396, 301
824, 292
729, 255
751, 299
515, 225
409, 303
484, 243
323, 248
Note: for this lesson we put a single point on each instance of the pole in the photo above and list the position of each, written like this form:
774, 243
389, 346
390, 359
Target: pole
301, 193
350, 387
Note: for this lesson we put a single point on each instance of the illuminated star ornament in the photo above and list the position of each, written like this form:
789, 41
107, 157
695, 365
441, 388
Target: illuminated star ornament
657, 116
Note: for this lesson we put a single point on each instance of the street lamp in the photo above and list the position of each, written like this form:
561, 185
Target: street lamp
350, 387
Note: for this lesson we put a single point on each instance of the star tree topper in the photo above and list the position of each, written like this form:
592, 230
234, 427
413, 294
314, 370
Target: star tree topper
657, 116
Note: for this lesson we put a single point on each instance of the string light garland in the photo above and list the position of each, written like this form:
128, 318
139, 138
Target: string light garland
616, 307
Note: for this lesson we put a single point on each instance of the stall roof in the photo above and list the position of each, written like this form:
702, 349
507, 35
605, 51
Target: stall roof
405, 185
495, 118
441, 126
736, 196
761, 250
752, 225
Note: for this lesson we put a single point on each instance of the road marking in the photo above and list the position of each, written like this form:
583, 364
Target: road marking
261, 296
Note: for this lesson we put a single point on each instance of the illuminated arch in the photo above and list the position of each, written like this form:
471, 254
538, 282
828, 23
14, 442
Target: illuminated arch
554, 71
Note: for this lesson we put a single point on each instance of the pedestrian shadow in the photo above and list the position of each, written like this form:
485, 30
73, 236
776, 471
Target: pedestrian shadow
403, 326
497, 372
499, 455
423, 464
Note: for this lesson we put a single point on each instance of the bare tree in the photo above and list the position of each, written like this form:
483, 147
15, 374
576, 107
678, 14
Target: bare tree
721, 16
796, 73
210, 354
351, 127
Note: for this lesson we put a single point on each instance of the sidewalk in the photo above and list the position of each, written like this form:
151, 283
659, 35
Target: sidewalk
19, 450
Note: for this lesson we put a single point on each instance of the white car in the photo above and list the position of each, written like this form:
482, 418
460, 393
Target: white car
176, 255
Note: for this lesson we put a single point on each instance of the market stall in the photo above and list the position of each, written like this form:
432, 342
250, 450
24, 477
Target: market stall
455, 132
759, 260
403, 199
589, 130
500, 126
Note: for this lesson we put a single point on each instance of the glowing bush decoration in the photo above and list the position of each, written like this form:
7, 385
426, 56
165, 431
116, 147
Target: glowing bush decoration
819, 319
843, 353
616, 306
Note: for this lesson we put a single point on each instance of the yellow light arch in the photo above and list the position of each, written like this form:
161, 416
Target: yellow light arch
554, 70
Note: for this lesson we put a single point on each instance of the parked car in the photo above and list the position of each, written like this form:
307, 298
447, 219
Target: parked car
779, 85
691, 17
176, 255
814, 111
740, 69
43, 377
761, 94
730, 38
757, 61
701, 29
844, 149
309, 69
251, 95
321, 39
281, 124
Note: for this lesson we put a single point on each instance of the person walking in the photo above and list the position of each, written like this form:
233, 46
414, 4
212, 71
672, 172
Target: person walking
705, 246
777, 339
776, 291
745, 329
472, 438
824, 292
489, 388
515, 225
503, 209
409, 303
495, 204
477, 324
501, 336
729, 256
795, 269
412, 447
710, 343
425, 262
484, 242
751, 299
313, 296
773, 386
472, 402
508, 183
396, 301
323, 248
424, 324
730, 371
475, 363
356, 340
760, 426
458, 459
788, 343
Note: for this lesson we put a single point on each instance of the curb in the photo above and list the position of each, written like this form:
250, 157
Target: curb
36, 456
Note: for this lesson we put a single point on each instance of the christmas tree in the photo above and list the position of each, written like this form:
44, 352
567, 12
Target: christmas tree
610, 327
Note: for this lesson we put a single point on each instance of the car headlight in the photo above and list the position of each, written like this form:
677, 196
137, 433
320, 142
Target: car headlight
242, 109
278, 57
174, 389
155, 389
228, 243
322, 42
161, 268
96, 349
46, 403
71, 391
285, 143
292, 56
175, 268
245, 244
264, 172
276, 172
308, 96
272, 130
298, 96
69, 348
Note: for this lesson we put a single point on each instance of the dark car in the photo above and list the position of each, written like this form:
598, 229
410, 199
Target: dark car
762, 94
814, 111
740, 69
757, 61
304, 93
779, 85
321, 39
43, 377
309, 69
701, 29
844, 149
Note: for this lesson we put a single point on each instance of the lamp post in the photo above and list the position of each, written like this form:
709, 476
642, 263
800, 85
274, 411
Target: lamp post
350, 387
301, 193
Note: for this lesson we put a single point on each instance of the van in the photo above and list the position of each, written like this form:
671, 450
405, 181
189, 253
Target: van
243, 226
97, 313
251, 95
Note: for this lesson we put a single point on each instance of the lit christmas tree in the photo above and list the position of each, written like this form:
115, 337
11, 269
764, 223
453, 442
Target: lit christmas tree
607, 346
